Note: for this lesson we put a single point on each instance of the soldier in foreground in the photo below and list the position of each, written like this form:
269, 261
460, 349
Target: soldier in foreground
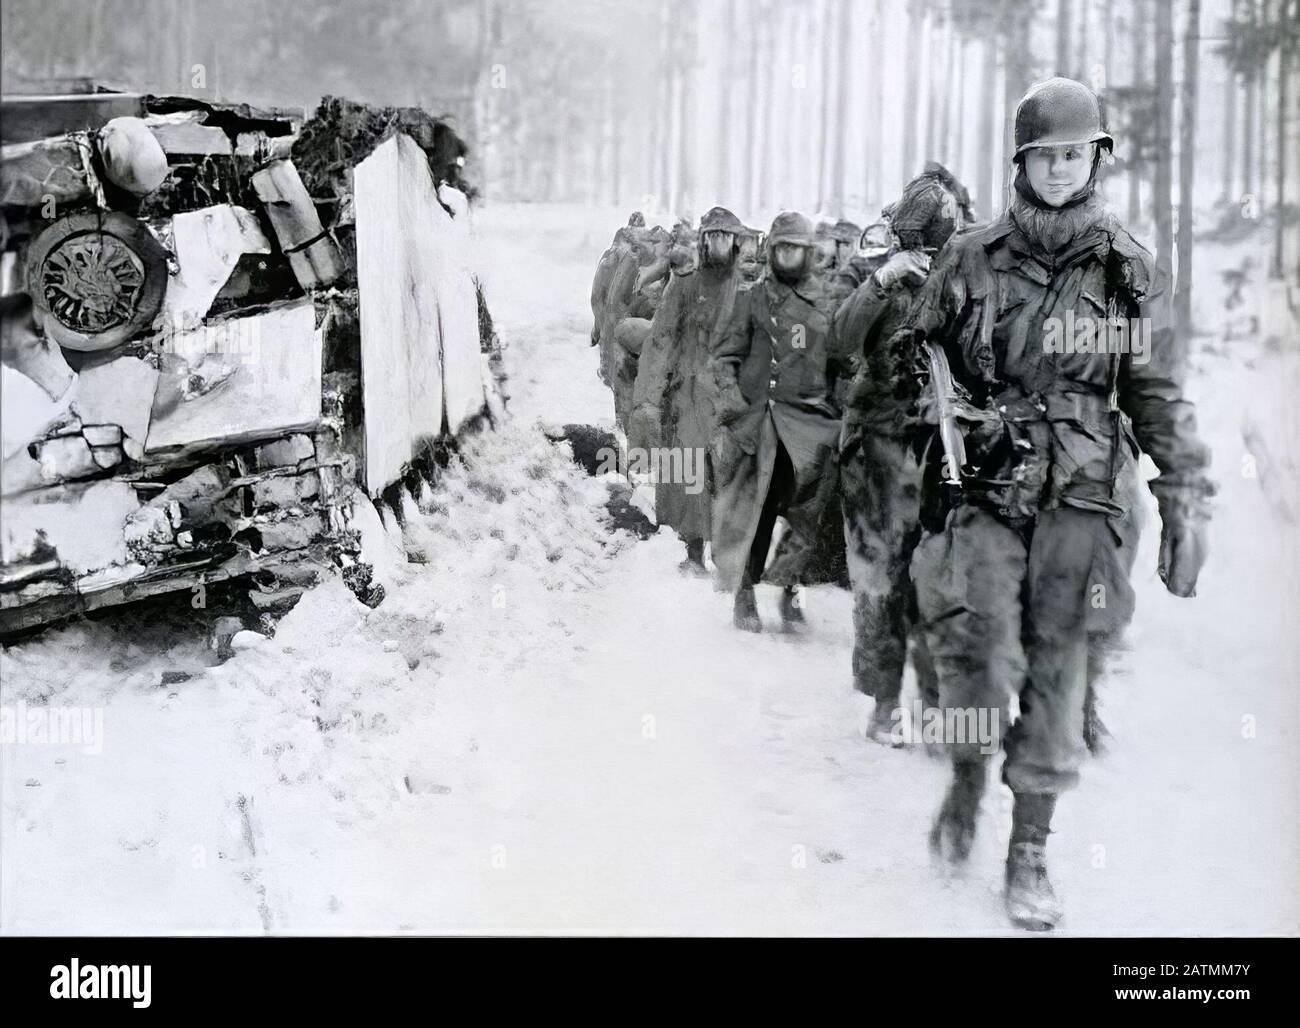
778, 425
880, 479
673, 400
1028, 567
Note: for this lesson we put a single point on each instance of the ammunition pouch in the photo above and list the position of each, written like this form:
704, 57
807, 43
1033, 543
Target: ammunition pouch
1019, 461
1013, 457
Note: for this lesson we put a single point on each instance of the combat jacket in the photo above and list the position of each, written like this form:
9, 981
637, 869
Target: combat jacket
773, 352
1067, 414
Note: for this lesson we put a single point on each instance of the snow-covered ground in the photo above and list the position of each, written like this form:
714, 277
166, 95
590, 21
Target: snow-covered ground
545, 729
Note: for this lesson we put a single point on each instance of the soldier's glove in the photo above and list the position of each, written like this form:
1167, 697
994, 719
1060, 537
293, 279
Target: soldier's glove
908, 267
1184, 511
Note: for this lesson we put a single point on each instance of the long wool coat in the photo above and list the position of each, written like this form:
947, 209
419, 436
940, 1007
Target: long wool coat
673, 404
769, 363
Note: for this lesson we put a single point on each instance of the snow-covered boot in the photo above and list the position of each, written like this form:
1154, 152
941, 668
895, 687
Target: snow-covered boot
1031, 901
693, 565
791, 607
884, 726
745, 615
953, 833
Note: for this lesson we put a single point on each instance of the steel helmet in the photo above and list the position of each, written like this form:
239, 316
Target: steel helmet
1059, 112
844, 231
790, 227
719, 219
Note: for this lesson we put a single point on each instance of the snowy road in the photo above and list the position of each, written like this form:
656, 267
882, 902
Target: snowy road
545, 729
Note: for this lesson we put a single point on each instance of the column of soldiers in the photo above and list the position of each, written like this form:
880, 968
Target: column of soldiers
986, 481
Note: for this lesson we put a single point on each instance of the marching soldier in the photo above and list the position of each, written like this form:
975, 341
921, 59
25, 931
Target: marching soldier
623, 242
1026, 575
879, 241
778, 425
633, 296
749, 256
880, 478
842, 239
673, 399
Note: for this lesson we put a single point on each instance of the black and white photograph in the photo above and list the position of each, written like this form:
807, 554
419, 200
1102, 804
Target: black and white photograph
653, 469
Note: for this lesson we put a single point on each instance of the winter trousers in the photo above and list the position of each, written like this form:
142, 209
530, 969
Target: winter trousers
630, 334
1026, 612
780, 495
880, 485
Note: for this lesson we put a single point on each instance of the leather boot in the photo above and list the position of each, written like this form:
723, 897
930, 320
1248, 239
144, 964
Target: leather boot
953, 833
693, 565
745, 614
791, 608
885, 725
1031, 901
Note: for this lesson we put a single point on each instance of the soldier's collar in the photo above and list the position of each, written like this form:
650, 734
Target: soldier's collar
1095, 240
809, 288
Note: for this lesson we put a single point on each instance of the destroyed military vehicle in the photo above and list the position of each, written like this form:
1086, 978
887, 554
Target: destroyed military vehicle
228, 333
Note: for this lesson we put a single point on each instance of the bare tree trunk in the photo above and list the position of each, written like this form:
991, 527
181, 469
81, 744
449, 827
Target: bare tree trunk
1064, 55
752, 112
988, 124
1108, 47
1290, 48
1280, 165
775, 122
1135, 160
937, 95
724, 100
959, 102
915, 14
951, 90
1015, 83
1230, 103
685, 148
1248, 121
825, 142
686, 152
1187, 170
484, 143
616, 121
765, 175
1083, 70
1264, 133
1162, 192
658, 142
1079, 59
876, 117
797, 126
844, 84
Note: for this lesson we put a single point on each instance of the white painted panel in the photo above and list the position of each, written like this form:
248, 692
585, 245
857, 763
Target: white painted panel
238, 378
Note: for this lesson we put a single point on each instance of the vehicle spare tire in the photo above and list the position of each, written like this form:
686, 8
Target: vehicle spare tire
97, 278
